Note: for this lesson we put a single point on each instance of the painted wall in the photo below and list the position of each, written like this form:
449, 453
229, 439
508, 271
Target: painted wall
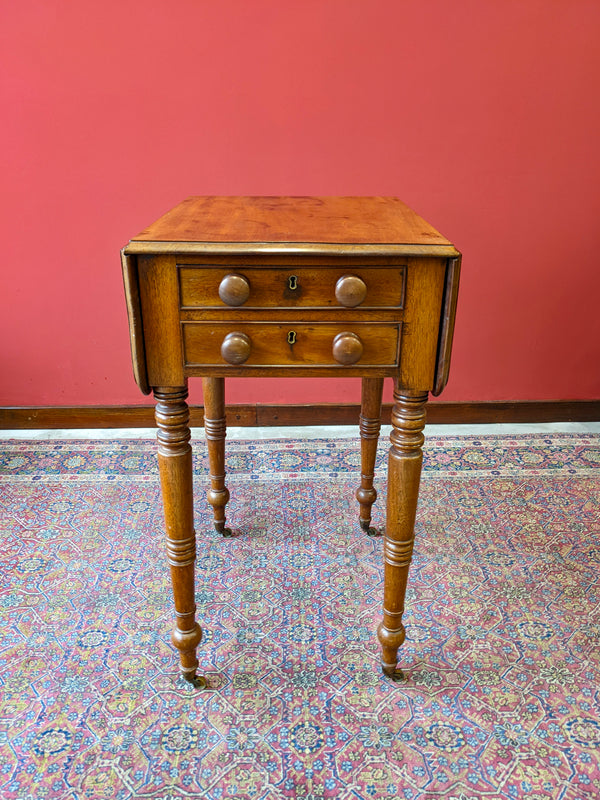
484, 116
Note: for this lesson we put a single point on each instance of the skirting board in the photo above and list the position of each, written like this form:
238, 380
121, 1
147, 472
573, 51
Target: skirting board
296, 415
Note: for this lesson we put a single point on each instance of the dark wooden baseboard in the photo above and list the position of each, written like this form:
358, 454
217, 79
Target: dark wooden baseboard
300, 415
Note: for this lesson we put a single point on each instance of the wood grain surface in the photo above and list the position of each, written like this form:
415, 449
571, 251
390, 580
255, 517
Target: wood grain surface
348, 220
271, 343
270, 288
269, 414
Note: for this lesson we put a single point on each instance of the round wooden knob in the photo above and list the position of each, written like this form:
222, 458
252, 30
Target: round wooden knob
350, 291
234, 289
347, 348
236, 348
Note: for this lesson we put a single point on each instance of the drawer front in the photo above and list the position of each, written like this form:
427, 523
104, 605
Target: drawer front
264, 344
286, 287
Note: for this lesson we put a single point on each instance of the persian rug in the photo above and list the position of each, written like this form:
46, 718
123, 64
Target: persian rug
502, 657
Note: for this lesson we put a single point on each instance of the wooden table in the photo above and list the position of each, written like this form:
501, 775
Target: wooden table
290, 286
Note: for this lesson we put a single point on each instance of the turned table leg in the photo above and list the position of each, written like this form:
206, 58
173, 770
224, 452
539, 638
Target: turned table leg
404, 473
175, 467
215, 429
370, 425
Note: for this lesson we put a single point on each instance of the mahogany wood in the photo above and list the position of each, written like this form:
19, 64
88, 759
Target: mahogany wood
421, 327
175, 468
215, 430
270, 285
134, 315
369, 425
235, 347
447, 327
350, 291
347, 348
159, 295
209, 347
363, 288
336, 220
404, 474
234, 289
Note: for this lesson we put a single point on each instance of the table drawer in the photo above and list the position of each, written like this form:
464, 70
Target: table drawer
287, 287
290, 344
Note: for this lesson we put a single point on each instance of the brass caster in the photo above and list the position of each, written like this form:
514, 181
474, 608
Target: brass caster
366, 527
197, 681
396, 675
220, 528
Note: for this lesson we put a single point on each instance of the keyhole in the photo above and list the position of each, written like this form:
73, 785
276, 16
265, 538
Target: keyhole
293, 282
292, 337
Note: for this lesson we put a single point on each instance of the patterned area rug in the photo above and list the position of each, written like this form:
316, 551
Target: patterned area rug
502, 654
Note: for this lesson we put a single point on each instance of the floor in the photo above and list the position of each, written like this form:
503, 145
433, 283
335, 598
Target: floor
307, 432
501, 656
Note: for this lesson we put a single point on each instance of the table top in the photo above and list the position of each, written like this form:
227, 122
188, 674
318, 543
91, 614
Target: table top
314, 224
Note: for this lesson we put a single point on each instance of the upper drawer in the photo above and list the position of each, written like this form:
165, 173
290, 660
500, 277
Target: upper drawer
286, 287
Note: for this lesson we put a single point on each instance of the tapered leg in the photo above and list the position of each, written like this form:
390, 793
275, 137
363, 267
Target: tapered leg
215, 429
404, 474
175, 467
370, 425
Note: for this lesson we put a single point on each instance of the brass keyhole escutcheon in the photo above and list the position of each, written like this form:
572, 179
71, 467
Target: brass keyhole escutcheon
293, 283
291, 337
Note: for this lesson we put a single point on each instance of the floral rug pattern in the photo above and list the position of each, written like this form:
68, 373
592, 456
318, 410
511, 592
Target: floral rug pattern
502, 694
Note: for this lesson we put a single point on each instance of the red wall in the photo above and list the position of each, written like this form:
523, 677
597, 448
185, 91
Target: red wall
484, 116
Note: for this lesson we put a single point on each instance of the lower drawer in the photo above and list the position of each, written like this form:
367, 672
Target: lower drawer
274, 344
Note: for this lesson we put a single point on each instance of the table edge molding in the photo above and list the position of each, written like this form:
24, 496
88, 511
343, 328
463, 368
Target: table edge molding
288, 248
